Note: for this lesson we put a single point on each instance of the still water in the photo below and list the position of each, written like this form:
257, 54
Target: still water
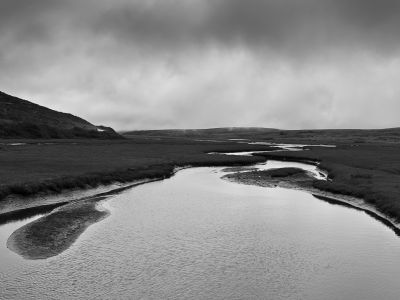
197, 236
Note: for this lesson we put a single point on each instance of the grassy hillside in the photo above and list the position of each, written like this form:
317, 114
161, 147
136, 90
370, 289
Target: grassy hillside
23, 119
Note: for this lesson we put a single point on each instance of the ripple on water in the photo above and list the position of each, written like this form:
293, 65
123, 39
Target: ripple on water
195, 236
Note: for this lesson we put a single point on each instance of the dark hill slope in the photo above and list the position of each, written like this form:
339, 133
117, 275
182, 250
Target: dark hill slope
23, 119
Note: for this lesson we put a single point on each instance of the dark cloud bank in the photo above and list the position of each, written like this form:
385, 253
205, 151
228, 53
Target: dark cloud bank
202, 63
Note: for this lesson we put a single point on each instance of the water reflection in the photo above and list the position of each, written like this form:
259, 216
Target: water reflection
195, 236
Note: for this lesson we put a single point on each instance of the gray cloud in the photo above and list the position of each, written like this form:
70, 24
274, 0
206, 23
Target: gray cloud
284, 26
204, 63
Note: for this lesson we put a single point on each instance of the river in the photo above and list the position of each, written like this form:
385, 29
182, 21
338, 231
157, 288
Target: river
197, 236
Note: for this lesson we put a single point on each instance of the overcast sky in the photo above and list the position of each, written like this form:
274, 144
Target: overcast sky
147, 64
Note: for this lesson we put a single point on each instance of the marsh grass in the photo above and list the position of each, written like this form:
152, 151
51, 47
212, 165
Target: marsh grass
46, 167
365, 163
370, 172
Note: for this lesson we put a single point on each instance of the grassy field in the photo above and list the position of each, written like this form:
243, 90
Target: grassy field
365, 163
371, 172
332, 136
56, 165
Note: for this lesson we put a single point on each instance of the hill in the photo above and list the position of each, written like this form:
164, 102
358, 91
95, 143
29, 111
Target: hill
23, 119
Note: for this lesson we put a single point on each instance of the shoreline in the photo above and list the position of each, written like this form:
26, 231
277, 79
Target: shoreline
327, 196
15, 205
29, 241
47, 236
58, 186
45, 205
59, 201
30, 195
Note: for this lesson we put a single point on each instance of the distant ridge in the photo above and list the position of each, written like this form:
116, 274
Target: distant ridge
304, 136
194, 132
222, 133
23, 119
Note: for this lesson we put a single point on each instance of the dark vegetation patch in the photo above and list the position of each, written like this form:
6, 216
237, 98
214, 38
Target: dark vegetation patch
54, 233
370, 172
293, 177
365, 163
41, 167
88, 180
266, 148
282, 172
238, 169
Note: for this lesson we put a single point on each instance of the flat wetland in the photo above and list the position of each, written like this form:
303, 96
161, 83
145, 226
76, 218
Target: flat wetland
364, 164
147, 234
195, 235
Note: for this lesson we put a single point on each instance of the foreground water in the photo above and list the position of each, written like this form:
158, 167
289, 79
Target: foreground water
196, 236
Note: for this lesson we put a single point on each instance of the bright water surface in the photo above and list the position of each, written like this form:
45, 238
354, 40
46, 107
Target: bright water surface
196, 236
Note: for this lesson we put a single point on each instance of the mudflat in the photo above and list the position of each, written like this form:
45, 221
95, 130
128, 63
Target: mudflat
54, 233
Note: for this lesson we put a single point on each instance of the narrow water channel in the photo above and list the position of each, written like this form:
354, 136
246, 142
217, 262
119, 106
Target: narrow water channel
197, 236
